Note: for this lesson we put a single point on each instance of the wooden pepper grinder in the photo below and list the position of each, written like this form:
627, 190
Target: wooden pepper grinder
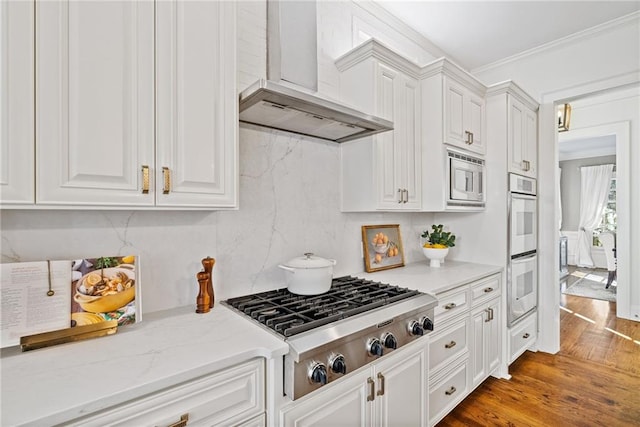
203, 301
208, 263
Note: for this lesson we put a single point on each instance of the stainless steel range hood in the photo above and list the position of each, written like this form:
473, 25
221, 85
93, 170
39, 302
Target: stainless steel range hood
286, 101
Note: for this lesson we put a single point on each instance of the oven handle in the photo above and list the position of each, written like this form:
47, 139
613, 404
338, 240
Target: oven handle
524, 258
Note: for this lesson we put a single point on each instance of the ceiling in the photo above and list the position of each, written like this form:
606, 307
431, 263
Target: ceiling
477, 33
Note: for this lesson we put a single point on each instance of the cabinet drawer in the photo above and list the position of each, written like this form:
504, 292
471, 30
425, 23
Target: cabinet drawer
447, 345
445, 394
223, 398
451, 303
485, 290
522, 336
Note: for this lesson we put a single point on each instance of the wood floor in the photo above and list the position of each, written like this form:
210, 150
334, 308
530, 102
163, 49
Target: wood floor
593, 381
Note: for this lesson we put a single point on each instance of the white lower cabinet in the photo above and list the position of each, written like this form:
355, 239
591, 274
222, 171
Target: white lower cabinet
391, 392
446, 392
485, 326
234, 396
522, 336
465, 347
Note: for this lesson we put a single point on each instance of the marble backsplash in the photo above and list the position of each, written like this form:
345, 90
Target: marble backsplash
289, 204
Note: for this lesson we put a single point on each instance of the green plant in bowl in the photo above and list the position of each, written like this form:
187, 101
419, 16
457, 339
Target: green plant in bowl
438, 239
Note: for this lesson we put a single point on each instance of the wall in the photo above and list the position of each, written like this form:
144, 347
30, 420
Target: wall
289, 201
596, 61
570, 187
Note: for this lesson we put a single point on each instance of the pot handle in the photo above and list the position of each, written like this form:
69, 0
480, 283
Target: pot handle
284, 267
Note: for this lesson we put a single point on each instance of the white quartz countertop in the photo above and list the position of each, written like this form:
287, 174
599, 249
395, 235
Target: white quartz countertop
51, 385
432, 280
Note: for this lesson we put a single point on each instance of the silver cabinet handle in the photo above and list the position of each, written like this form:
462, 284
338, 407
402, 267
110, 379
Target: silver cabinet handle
372, 389
491, 313
526, 165
450, 306
488, 319
450, 391
526, 335
406, 194
381, 378
450, 345
400, 195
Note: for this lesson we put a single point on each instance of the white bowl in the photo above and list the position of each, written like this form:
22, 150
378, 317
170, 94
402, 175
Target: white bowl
435, 255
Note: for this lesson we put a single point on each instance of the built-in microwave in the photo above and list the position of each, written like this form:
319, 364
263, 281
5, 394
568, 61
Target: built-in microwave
466, 180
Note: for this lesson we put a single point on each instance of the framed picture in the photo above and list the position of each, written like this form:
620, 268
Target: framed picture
382, 247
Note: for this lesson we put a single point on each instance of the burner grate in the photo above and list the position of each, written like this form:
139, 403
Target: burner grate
290, 314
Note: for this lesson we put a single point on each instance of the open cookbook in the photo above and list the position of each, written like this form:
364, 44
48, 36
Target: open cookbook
45, 296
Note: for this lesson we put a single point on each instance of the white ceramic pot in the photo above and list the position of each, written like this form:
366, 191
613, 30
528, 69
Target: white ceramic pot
435, 255
308, 274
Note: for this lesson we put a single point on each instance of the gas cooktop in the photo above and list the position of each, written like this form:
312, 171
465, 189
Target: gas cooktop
289, 314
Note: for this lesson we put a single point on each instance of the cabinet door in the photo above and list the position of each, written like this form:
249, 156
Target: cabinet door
531, 142
463, 117
397, 155
401, 390
197, 108
485, 356
475, 123
17, 89
407, 122
94, 102
388, 155
345, 404
523, 138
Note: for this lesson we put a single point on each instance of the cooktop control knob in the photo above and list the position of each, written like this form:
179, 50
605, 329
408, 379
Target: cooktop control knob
427, 324
415, 328
374, 347
338, 364
318, 373
390, 341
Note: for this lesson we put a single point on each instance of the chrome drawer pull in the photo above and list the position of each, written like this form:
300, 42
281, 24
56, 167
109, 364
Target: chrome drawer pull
526, 335
450, 306
450, 345
372, 389
401, 195
487, 290
450, 391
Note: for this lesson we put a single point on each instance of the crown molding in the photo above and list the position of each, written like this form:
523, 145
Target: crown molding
372, 48
511, 88
572, 38
400, 26
444, 66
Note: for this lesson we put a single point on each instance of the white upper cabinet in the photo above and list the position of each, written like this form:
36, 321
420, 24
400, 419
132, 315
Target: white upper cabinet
463, 117
523, 137
197, 111
135, 104
460, 99
381, 172
17, 172
513, 119
94, 102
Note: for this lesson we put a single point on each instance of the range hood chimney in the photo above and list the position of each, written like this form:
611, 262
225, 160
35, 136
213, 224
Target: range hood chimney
287, 100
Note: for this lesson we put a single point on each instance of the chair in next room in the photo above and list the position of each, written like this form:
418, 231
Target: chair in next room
608, 241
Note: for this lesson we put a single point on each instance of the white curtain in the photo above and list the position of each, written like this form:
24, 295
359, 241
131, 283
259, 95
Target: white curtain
594, 190
559, 201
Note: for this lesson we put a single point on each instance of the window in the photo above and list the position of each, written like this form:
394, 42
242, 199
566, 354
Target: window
609, 221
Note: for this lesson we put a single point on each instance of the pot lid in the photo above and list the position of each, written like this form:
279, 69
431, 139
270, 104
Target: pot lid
309, 260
